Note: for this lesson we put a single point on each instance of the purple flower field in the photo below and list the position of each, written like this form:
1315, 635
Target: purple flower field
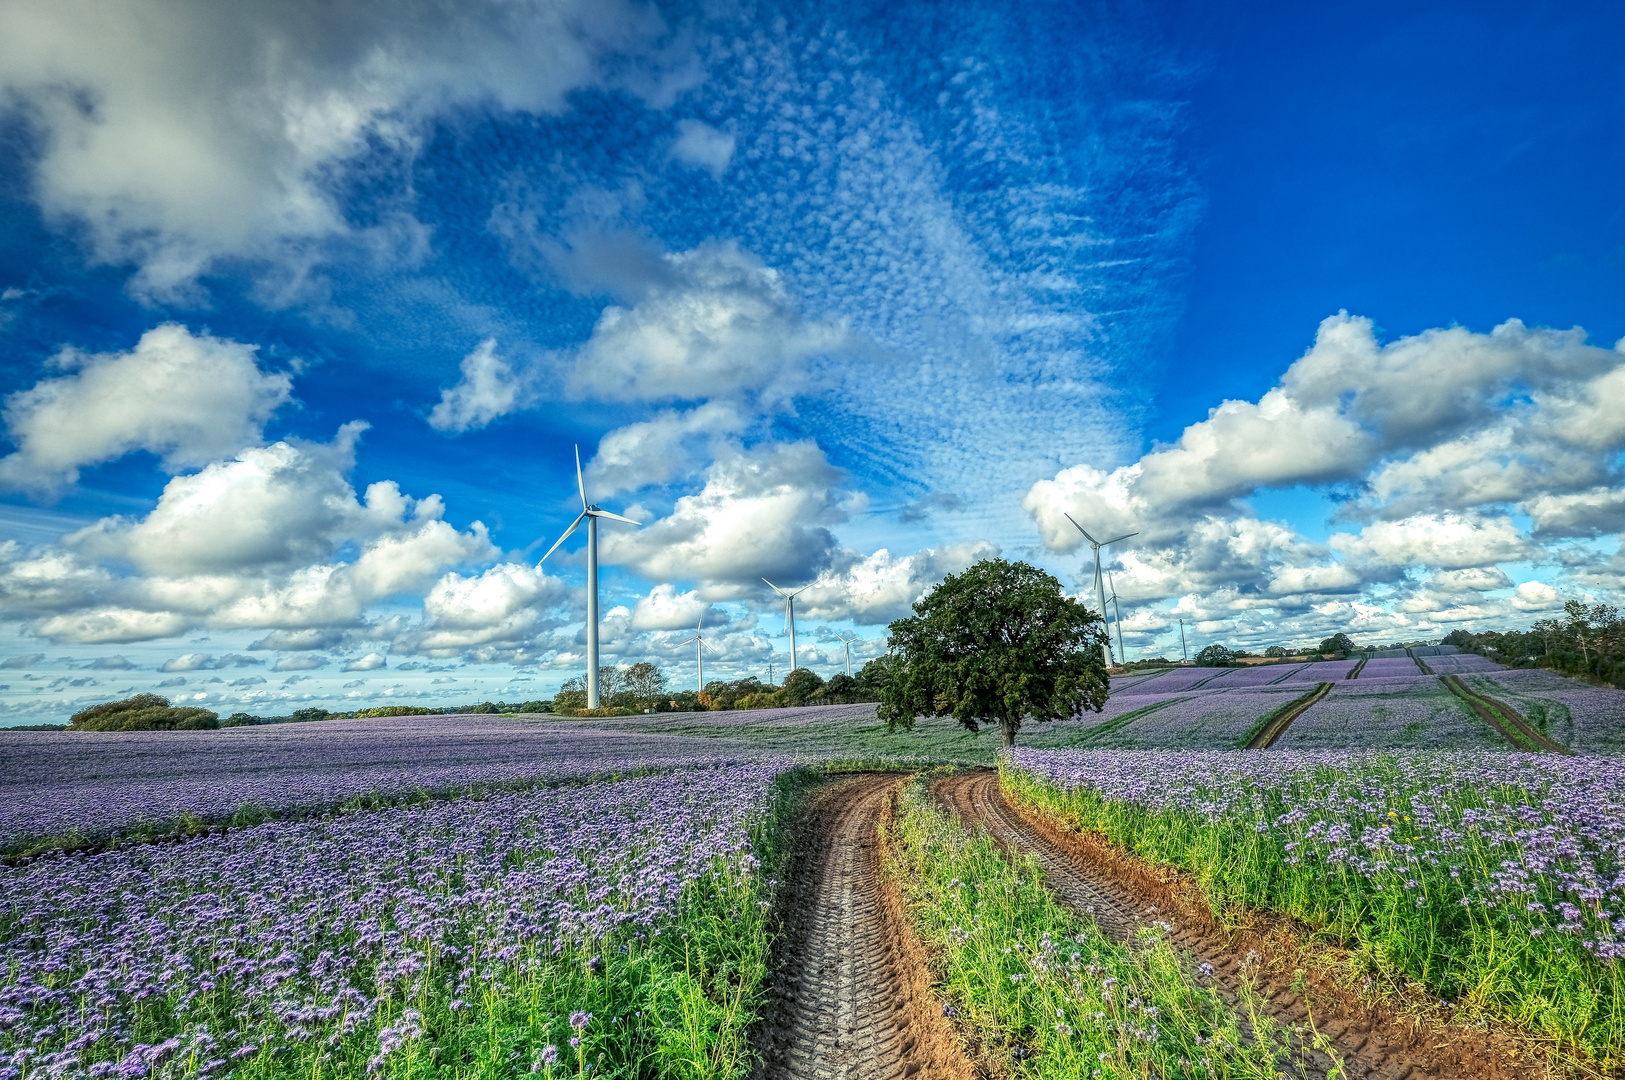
102, 783
279, 940
1386, 667
1460, 664
1538, 840
1320, 671
1587, 719
1201, 719
1359, 713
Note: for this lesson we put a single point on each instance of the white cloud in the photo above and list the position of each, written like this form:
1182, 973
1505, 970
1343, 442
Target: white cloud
370, 662
1437, 442
763, 512
187, 398
489, 389
716, 322
178, 133
667, 609
299, 662
503, 605
203, 662
660, 449
703, 146
880, 588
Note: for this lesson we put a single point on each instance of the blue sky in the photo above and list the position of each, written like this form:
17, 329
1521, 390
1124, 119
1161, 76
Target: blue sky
304, 312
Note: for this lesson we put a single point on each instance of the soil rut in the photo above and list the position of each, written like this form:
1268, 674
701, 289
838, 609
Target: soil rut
850, 991
1367, 1044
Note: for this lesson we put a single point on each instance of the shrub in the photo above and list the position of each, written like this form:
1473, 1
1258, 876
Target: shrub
394, 710
306, 716
144, 712
242, 719
801, 686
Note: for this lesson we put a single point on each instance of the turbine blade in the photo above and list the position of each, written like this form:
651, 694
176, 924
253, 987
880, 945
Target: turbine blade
581, 484
774, 587
690, 641
1078, 527
705, 644
1125, 536
563, 538
617, 517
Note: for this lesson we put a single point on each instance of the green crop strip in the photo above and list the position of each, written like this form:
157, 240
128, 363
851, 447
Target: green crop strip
1045, 992
1116, 723
1409, 912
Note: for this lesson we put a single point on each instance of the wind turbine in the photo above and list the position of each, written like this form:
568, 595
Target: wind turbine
698, 641
847, 641
789, 616
1100, 585
1117, 617
590, 514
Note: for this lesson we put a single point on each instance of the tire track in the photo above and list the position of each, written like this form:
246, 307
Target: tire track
1276, 725
1367, 1045
851, 994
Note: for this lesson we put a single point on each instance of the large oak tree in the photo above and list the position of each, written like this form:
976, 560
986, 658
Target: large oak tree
999, 642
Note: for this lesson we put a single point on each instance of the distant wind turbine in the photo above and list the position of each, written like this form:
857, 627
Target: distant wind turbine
1100, 581
847, 641
789, 616
1117, 617
590, 514
698, 641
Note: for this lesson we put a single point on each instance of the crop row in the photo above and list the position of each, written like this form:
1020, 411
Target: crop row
617, 924
1498, 880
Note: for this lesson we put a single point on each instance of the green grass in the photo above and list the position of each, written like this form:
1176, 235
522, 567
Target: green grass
1045, 992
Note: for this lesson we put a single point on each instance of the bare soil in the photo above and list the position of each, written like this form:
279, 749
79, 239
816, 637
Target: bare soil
851, 992
1122, 893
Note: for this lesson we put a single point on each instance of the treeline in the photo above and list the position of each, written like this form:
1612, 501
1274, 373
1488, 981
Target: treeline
642, 688
1589, 641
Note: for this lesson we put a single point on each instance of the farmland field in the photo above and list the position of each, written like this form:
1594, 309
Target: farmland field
489, 896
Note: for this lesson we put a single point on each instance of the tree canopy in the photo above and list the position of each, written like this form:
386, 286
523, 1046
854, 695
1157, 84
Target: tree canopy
1214, 656
997, 643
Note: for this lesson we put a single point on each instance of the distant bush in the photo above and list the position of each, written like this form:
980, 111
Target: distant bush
242, 719
306, 716
1214, 656
800, 686
394, 710
39, 727
144, 712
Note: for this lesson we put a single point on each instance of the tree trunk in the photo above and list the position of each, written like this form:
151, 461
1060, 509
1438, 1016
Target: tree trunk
1008, 730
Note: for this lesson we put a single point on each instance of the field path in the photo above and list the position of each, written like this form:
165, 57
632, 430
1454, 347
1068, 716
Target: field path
1276, 725
1092, 882
850, 990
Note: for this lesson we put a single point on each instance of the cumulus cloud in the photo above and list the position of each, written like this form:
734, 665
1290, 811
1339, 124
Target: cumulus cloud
763, 512
501, 606
26, 660
253, 542
664, 608
489, 388
189, 398
178, 133
1433, 446
714, 322
370, 662
299, 662
882, 587
703, 146
658, 450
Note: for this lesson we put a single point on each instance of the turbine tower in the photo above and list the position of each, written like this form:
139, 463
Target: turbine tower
1100, 581
847, 641
698, 641
590, 514
1117, 617
789, 617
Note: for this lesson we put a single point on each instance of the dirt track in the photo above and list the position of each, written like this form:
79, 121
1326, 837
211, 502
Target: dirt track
851, 992
1121, 899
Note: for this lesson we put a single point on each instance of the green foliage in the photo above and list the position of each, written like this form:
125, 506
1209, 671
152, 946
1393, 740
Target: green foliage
875, 675
1049, 995
801, 686
1275, 652
144, 712
1214, 656
842, 689
1338, 643
1588, 641
394, 710
999, 642
308, 716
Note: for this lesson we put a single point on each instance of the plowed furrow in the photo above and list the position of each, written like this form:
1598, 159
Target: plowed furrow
849, 993
1361, 1053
